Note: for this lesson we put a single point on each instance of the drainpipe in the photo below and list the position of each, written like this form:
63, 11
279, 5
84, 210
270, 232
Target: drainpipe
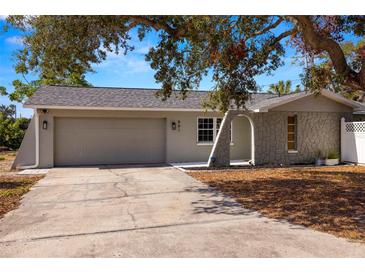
36, 126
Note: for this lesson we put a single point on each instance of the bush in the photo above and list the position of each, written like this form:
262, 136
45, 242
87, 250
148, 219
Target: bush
333, 155
12, 129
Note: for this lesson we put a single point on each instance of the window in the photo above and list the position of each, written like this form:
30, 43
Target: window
292, 133
205, 130
208, 129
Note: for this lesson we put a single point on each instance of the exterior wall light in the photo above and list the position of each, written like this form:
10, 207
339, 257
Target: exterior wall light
173, 125
45, 125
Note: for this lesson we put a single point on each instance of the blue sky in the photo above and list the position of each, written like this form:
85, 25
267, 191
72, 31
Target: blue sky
120, 70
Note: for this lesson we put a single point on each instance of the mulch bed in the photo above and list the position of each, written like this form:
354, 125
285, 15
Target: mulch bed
328, 199
12, 188
12, 185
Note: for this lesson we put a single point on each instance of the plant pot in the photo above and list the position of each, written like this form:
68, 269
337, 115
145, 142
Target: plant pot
320, 162
331, 162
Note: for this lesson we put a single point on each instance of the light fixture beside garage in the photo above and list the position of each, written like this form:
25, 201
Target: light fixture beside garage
175, 125
45, 125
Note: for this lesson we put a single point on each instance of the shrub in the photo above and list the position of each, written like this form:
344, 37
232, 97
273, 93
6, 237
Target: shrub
12, 129
333, 154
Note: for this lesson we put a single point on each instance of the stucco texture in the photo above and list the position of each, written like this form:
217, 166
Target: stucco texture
180, 145
315, 131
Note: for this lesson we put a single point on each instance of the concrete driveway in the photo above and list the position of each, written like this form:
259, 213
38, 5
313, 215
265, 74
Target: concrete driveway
149, 212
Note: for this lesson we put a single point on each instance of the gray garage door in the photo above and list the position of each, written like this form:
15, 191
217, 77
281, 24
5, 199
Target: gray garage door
92, 141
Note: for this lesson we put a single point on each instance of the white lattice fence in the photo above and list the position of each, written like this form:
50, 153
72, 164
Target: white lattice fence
353, 141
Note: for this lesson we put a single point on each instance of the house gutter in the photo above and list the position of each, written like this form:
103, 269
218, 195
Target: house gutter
36, 126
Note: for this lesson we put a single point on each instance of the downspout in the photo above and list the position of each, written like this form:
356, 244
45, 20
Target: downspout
36, 126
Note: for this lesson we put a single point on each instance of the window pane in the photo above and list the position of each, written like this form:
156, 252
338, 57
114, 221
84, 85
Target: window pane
205, 130
292, 132
291, 120
291, 145
291, 128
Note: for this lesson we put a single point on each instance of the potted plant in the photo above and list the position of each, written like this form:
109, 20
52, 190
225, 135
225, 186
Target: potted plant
320, 159
333, 158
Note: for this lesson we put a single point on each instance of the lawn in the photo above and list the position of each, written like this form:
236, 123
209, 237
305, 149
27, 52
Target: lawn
328, 199
12, 185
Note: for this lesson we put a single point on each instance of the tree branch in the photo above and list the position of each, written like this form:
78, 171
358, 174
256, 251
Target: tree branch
136, 20
269, 27
320, 43
283, 35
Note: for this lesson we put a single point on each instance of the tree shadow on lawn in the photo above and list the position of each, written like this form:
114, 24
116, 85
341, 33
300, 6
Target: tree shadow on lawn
325, 200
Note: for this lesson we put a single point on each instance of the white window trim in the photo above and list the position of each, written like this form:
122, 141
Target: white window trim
200, 143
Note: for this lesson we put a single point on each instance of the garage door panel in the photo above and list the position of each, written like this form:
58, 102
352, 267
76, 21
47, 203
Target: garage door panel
88, 141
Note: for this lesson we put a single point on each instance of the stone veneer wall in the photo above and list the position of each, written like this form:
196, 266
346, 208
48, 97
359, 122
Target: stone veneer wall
316, 131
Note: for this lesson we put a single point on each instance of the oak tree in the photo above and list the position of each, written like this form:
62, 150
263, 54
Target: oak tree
233, 50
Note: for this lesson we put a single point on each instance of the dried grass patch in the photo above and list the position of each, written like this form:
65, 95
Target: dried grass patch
328, 199
12, 188
6, 160
12, 185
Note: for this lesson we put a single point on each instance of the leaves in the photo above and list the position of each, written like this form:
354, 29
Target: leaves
3, 91
12, 129
281, 88
233, 50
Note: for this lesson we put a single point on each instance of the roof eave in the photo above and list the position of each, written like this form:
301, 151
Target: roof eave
282, 102
328, 94
112, 108
340, 99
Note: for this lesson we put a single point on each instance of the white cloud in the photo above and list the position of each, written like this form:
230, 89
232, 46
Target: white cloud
3, 17
15, 40
124, 64
143, 50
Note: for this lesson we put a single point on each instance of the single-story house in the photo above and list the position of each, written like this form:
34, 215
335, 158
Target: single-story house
95, 126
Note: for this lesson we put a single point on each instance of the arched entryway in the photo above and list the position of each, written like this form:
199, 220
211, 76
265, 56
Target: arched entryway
243, 141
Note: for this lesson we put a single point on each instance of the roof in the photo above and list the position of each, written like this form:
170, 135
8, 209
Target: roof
66, 97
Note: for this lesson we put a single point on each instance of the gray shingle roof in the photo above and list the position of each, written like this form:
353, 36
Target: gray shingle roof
64, 96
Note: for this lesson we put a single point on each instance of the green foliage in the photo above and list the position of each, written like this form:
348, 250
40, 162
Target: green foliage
188, 48
281, 88
333, 154
321, 75
233, 49
23, 90
3, 91
12, 129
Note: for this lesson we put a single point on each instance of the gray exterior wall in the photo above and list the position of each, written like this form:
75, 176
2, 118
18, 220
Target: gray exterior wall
315, 131
318, 128
181, 146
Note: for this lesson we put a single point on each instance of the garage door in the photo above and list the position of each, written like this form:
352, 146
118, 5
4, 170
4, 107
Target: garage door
92, 141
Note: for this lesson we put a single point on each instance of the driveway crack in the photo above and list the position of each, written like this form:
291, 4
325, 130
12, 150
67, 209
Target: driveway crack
132, 216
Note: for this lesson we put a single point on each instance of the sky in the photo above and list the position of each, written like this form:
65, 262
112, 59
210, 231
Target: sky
129, 70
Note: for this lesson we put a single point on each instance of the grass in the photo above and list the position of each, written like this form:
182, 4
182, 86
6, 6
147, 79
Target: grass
12, 185
327, 199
